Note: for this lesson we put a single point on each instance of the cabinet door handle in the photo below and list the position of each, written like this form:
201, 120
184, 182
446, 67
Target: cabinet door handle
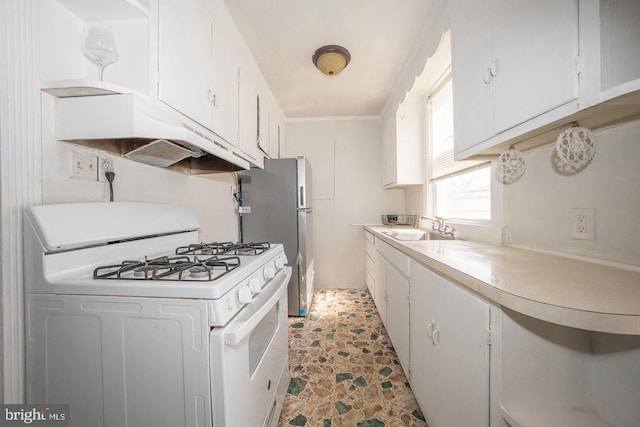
430, 328
494, 68
491, 73
436, 337
212, 98
487, 79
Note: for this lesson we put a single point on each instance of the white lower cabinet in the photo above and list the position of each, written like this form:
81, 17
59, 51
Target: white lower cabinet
392, 292
380, 293
369, 262
398, 314
450, 351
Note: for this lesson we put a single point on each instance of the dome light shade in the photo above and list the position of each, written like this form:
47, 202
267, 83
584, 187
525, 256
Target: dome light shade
331, 59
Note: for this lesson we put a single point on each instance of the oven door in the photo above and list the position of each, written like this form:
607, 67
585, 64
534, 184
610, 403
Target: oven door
249, 360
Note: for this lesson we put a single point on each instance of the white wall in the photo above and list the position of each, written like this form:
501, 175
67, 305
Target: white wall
538, 207
347, 191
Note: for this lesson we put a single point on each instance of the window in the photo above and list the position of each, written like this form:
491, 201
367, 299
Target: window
464, 196
460, 189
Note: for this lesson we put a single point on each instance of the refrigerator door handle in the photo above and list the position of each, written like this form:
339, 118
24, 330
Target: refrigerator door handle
301, 196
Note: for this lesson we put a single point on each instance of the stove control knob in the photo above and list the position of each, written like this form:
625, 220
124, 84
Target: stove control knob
279, 262
254, 286
244, 295
269, 272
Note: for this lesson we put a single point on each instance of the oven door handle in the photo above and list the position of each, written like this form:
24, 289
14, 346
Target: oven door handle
239, 332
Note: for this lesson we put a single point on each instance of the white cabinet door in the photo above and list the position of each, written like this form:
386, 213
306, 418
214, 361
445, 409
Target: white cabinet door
248, 132
471, 61
389, 152
380, 295
263, 125
274, 135
423, 353
449, 351
513, 60
225, 84
369, 262
402, 141
184, 58
398, 314
535, 48
619, 45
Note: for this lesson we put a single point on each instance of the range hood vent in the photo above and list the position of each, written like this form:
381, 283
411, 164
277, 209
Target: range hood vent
143, 130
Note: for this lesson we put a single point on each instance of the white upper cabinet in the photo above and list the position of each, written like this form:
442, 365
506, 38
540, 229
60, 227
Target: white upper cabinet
535, 67
206, 72
184, 58
619, 47
274, 134
224, 84
523, 69
402, 140
263, 125
513, 61
248, 136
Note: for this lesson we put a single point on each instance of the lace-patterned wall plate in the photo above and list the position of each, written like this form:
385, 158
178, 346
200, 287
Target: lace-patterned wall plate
575, 147
510, 167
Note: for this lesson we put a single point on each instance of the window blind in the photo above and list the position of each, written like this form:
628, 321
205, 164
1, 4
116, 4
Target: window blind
440, 107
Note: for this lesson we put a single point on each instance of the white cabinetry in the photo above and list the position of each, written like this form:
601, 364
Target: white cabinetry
248, 136
197, 68
619, 47
276, 129
369, 262
449, 351
513, 60
206, 72
184, 58
380, 290
398, 314
522, 70
225, 83
264, 112
402, 141
392, 267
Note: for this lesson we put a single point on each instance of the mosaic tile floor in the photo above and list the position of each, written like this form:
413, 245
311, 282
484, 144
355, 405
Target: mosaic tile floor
344, 371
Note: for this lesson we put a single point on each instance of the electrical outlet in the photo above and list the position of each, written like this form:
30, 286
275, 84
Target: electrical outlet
583, 224
84, 166
105, 164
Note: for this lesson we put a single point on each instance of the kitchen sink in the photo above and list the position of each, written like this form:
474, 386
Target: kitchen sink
413, 235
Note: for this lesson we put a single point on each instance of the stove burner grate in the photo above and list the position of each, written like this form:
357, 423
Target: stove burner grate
178, 268
217, 248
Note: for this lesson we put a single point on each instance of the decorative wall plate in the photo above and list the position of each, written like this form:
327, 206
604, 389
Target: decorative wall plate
575, 147
563, 169
510, 167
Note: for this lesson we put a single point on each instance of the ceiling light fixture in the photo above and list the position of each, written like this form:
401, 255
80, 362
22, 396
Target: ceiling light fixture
331, 59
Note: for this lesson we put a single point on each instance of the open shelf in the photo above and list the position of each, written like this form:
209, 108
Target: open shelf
532, 416
81, 87
100, 10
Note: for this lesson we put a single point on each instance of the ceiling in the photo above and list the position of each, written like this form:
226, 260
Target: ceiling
284, 34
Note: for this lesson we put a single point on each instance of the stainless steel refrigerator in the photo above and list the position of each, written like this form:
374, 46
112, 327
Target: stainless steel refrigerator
277, 205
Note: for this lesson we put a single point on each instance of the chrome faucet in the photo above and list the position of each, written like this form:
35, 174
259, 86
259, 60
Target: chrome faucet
440, 225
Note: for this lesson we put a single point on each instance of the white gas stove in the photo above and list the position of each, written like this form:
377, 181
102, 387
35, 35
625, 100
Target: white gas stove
133, 321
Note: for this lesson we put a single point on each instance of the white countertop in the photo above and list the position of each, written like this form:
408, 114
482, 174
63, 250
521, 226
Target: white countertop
549, 287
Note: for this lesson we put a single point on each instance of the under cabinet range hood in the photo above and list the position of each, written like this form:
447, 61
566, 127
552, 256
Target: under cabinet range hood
143, 130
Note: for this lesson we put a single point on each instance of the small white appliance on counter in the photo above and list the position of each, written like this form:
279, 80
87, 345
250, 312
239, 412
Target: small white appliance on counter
133, 322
